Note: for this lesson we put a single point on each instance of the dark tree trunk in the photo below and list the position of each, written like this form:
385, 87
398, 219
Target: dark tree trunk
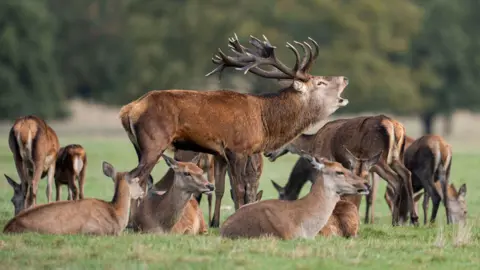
427, 122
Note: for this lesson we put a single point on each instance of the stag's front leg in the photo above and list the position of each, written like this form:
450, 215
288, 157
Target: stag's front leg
220, 172
406, 176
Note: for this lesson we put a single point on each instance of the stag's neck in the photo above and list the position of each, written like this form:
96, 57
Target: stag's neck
303, 144
172, 206
121, 201
287, 114
317, 207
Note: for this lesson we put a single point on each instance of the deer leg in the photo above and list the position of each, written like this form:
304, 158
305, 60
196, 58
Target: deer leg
436, 203
37, 175
81, 181
220, 172
73, 187
406, 176
426, 198
58, 189
50, 179
385, 172
370, 199
211, 180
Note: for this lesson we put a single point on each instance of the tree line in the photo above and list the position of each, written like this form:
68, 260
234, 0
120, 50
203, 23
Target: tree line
410, 57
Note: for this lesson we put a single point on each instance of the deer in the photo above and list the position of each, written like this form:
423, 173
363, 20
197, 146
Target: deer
71, 164
83, 216
361, 144
34, 146
160, 211
429, 158
18, 198
225, 121
344, 220
302, 218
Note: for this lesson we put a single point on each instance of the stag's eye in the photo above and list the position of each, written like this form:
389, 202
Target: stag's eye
340, 173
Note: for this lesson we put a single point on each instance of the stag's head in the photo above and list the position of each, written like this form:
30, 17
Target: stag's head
361, 166
18, 199
188, 176
322, 90
338, 178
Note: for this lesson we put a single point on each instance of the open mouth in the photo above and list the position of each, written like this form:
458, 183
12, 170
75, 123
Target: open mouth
342, 101
209, 188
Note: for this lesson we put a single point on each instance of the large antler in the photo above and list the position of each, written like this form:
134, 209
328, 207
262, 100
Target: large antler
263, 53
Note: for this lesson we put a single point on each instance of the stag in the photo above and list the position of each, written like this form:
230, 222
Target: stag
223, 121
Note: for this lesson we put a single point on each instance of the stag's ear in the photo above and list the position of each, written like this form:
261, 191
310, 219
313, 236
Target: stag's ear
299, 86
170, 161
279, 188
108, 170
352, 159
12, 182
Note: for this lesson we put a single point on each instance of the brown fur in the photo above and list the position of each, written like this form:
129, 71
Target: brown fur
225, 121
361, 144
302, 218
71, 165
192, 221
160, 211
343, 222
34, 145
87, 216
429, 159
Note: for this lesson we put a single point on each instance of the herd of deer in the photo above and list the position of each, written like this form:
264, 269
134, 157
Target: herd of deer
215, 132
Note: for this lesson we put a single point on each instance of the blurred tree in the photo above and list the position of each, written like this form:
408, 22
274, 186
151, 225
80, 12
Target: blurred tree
28, 74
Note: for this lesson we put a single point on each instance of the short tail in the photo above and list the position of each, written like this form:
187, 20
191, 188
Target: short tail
77, 164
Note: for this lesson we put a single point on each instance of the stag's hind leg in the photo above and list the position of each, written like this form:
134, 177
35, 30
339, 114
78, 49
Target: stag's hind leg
385, 172
406, 177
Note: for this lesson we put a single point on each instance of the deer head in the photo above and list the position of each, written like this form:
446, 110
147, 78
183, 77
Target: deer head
338, 178
18, 199
188, 176
324, 91
136, 191
457, 203
361, 166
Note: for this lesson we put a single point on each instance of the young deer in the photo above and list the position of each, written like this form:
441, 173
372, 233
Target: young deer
34, 145
360, 144
71, 164
429, 158
302, 218
226, 121
344, 220
160, 211
87, 216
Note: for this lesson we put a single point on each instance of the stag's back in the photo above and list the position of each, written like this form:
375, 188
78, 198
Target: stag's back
88, 216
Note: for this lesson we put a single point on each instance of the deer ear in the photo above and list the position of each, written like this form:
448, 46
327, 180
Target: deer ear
259, 195
277, 187
318, 164
12, 182
108, 169
172, 163
196, 159
352, 159
462, 191
374, 160
299, 86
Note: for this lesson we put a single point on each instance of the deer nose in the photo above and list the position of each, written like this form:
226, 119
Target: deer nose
211, 187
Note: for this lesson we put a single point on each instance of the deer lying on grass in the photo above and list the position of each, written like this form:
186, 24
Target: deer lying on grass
71, 165
429, 158
302, 218
160, 211
87, 216
224, 121
360, 144
34, 145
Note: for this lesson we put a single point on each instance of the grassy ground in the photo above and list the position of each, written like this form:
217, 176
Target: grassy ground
378, 247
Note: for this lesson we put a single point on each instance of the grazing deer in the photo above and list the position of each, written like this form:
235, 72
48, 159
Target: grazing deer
71, 165
344, 220
160, 211
429, 158
302, 218
18, 198
87, 216
371, 197
34, 145
361, 144
225, 121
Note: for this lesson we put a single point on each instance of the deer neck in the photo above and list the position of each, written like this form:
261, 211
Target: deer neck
287, 114
317, 207
301, 173
303, 143
172, 205
121, 201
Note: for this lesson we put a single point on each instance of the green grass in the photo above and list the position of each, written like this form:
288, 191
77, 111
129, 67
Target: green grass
379, 246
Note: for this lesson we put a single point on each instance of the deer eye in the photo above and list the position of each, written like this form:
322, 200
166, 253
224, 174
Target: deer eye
321, 83
340, 173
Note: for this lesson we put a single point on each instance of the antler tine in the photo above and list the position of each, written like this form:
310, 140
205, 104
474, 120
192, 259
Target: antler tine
313, 55
297, 56
307, 52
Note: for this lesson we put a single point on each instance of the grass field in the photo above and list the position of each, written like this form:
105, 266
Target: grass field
379, 246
